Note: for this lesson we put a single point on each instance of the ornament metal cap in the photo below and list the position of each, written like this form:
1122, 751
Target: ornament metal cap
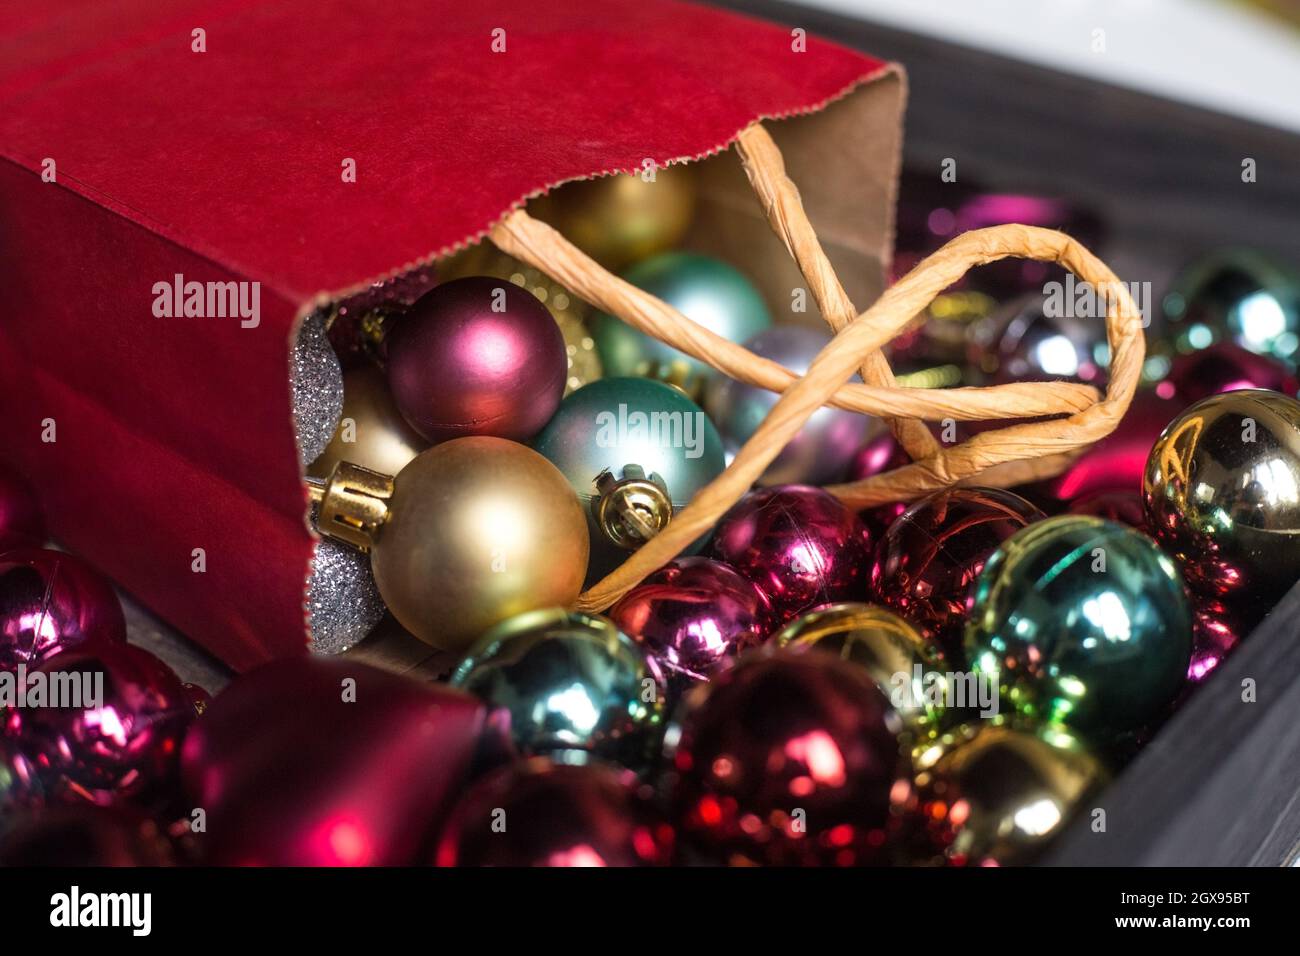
353, 503
631, 509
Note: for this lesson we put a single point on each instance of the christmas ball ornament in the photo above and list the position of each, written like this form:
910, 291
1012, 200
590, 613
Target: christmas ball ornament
1001, 794
471, 532
51, 602
1221, 496
372, 432
788, 758
199, 697
635, 451
20, 786
556, 816
824, 447
891, 651
572, 686
880, 454
1215, 635
343, 602
1083, 623
1240, 295
316, 380
84, 836
21, 522
694, 616
706, 291
799, 545
1225, 367
324, 761
1122, 506
115, 735
927, 559
622, 219
1036, 338
476, 356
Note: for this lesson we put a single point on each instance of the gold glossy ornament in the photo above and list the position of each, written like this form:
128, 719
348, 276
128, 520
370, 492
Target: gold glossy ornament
621, 219
898, 659
1002, 793
371, 432
566, 308
471, 532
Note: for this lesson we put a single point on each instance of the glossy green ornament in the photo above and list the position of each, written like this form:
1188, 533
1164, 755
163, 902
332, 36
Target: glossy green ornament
706, 291
889, 649
1084, 623
993, 793
636, 451
574, 686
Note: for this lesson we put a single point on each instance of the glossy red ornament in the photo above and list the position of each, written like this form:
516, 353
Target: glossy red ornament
477, 356
789, 758
541, 814
881, 454
1122, 505
1119, 459
120, 741
693, 617
1215, 635
928, 558
21, 522
52, 602
799, 545
318, 761
1226, 367
85, 836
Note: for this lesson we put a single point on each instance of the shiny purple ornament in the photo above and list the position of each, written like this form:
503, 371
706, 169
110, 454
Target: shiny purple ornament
52, 602
21, 523
1214, 636
1227, 367
799, 544
693, 617
1122, 505
926, 561
119, 741
477, 356
881, 454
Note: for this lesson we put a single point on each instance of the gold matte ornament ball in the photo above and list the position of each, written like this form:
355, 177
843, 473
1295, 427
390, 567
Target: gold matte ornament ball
372, 432
619, 220
479, 529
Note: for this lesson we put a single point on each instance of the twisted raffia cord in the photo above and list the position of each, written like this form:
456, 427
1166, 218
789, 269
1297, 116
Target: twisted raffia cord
1007, 456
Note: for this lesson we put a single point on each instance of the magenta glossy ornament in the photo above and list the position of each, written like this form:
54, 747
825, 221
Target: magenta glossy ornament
21, 522
477, 356
20, 787
556, 815
85, 836
120, 741
325, 761
928, 558
1122, 505
52, 602
1215, 635
799, 545
789, 758
881, 454
1227, 367
694, 616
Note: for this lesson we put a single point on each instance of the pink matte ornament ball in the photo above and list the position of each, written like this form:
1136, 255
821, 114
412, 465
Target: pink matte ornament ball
477, 356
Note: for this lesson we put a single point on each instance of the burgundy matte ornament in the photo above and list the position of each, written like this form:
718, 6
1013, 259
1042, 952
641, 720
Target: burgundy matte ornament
1122, 505
788, 758
693, 617
52, 602
477, 356
85, 836
317, 761
1226, 367
1215, 635
121, 739
799, 545
556, 815
928, 558
21, 523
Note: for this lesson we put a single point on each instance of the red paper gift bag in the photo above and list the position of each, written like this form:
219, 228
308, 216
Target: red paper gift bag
208, 139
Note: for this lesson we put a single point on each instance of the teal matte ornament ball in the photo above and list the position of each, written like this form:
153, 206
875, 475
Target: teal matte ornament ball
1084, 623
634, 444
703, 289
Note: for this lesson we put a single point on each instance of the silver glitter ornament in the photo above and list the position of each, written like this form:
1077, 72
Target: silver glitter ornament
317, 380
343, 604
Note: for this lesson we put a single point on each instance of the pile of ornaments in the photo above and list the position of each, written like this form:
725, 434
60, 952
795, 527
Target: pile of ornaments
944, 682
